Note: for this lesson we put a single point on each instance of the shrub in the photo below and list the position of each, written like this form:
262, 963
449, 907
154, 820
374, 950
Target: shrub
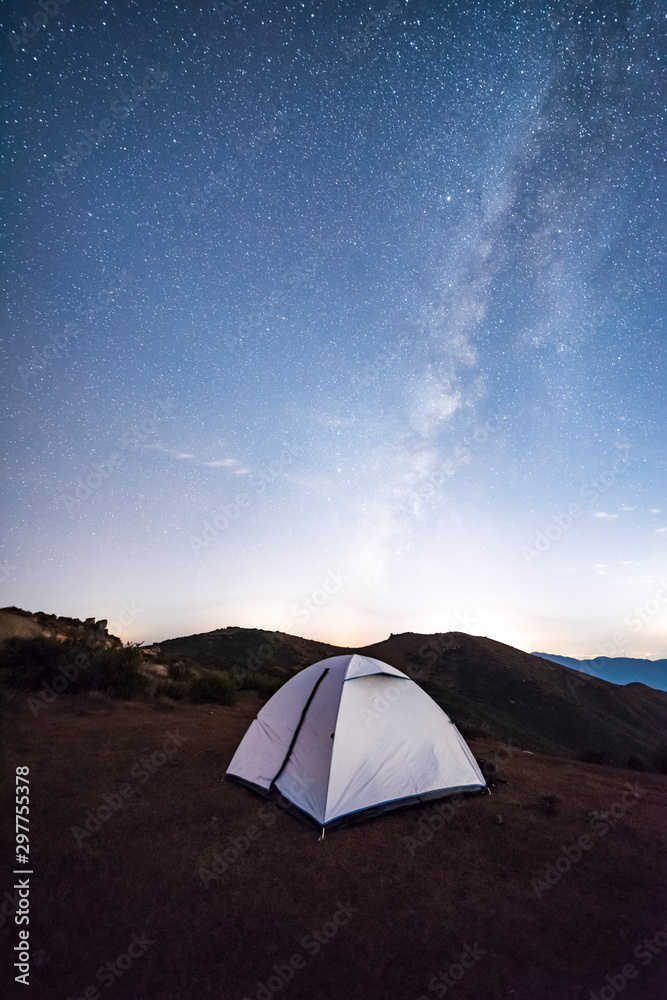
28, 663
266, 684
179, 671
116, 671
176, 690
213, 686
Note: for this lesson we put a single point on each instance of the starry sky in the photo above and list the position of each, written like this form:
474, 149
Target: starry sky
337, 318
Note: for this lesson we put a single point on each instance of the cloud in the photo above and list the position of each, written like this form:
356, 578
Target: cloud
232, 464
158, 446
603, 514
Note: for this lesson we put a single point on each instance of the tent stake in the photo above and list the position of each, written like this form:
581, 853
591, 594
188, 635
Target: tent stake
322, 836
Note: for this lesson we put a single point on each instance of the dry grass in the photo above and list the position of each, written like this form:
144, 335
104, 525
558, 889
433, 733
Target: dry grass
416, 907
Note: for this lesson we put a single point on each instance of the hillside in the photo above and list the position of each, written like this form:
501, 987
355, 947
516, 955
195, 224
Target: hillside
617, 669
484, 685
247, 649
487, 687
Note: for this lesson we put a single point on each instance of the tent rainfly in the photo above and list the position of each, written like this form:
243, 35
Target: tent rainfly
349, 737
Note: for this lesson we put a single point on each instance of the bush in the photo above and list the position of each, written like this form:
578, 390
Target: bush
116, 670
213, 686
179, 671
176, 690
266, 684
25, 663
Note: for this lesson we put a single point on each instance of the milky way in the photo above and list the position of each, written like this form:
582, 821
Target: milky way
339, 318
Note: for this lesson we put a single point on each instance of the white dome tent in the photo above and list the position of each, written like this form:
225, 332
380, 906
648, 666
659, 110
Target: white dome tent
351, 736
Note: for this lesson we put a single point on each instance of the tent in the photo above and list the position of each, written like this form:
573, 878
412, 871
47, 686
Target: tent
349, 737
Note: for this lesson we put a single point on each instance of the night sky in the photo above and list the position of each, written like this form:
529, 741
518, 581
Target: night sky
337, 318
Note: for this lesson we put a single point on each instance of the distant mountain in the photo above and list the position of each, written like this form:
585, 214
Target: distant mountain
484, 685
617, 669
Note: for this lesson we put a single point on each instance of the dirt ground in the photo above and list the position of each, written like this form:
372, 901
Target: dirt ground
154, 878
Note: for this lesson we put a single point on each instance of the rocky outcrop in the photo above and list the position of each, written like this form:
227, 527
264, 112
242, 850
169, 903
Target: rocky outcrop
15, 622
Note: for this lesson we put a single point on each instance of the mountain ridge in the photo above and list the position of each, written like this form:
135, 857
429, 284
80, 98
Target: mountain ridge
486, 686
617, 669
